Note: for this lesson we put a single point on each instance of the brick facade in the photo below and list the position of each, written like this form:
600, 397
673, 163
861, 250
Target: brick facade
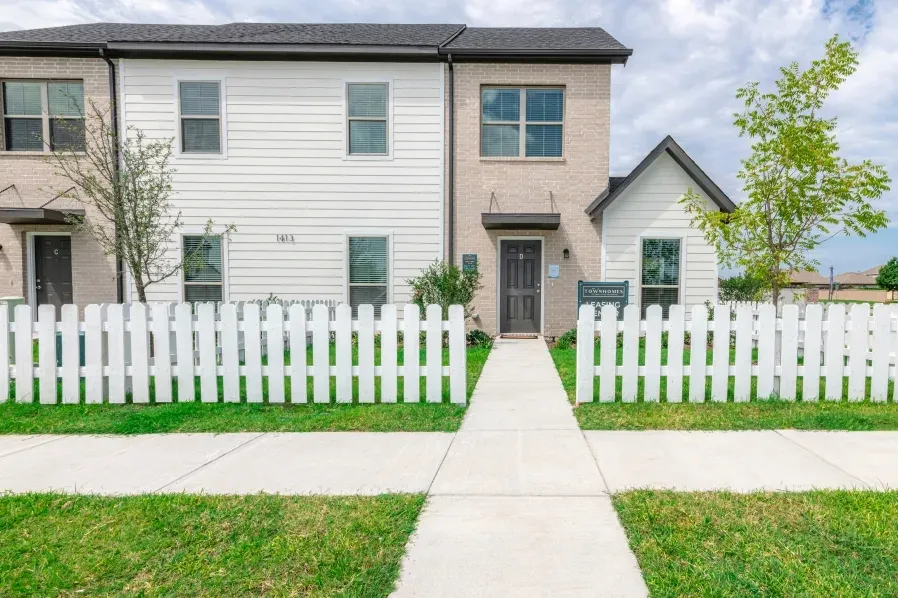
93, 274
525, 185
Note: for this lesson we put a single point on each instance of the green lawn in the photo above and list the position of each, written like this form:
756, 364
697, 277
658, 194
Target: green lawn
762, 413
183, 545
824, 544
220, 417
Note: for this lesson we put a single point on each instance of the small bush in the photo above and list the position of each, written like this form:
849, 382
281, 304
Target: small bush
479, 338
567, 340
444, 284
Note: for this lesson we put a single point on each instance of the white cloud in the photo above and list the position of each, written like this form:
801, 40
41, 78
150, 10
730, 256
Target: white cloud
689, 58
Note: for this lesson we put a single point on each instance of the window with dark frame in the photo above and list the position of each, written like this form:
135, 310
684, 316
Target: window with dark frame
43, 116
368, 273
367, 126
200, 117
203, 279
660, 276
518, 122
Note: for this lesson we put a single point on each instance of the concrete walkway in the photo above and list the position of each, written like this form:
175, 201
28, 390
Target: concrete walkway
519, 506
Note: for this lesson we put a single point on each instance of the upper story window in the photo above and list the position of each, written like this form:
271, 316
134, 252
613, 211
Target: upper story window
368, 126
200, 117
519, 122
43, 116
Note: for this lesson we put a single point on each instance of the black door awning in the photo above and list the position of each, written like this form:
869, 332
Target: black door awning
512, 221
37, 215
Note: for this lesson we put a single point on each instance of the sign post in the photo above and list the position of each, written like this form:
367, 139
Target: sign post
599, 294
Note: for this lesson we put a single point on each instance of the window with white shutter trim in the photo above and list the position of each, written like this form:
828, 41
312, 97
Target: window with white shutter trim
368, 272
200, 114
203, 280
660, 276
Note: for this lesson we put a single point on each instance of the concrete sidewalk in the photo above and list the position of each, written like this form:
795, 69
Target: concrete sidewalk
338, 463
519, 507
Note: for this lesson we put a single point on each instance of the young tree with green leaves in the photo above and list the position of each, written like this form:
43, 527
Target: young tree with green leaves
445, 284
799, 191
888, 276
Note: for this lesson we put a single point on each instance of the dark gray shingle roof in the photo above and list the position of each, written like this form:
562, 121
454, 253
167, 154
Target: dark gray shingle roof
243, 33
523, 38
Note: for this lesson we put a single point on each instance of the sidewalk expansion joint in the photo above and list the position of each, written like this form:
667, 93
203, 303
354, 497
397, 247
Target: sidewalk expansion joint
211, 461
33, 446
821, 458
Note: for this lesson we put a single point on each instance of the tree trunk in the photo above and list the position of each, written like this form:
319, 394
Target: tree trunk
141, 290
775, 290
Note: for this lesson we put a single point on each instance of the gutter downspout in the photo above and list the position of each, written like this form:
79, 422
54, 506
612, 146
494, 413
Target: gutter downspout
451, 162
119, 281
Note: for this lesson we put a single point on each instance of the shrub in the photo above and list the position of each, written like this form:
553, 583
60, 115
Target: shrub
479, 338
444, 284
567, 340
888, 276
742, 287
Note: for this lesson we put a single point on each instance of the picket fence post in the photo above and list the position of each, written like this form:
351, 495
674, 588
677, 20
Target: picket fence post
274, 325
298, 391
434, 353
343, 334
4, 352
366, 354
608, 354
24, 354
630, 385
321, 390
586, 346
458, 358
411, 356
676, 338
653, 325
388, 354
698, 354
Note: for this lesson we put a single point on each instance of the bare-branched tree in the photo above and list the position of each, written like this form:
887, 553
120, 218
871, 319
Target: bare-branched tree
138, 224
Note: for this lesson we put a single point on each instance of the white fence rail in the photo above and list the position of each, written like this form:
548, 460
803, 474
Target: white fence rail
757, 354
225, 345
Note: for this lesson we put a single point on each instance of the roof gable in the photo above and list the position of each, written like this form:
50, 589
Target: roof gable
616, 185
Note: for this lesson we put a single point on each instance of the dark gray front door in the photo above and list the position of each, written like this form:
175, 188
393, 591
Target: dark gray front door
53, 270
520, 280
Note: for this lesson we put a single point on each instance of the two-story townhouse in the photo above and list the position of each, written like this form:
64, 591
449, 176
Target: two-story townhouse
531, 200
42, 97
350, 156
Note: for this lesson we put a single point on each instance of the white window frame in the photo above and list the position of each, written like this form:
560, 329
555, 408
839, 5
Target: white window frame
522, 122
199, 232
666, 236
201, 77
388, 81
388, 235
45, 115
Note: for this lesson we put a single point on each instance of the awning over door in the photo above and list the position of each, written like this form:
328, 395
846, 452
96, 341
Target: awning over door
512, 221
37, 215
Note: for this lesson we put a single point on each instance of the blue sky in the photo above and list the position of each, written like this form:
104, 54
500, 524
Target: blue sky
689, 58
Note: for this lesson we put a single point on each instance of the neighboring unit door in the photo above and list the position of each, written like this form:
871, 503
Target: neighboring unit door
53, 270
520, 280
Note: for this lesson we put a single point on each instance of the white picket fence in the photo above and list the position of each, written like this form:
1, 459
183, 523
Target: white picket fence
852, 345
229, 343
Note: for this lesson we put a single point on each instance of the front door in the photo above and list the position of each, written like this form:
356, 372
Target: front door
520, 287
53, 270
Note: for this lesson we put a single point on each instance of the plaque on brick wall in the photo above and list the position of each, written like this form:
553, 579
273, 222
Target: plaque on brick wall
469, 262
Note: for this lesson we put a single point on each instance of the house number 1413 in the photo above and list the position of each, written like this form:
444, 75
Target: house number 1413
285, 239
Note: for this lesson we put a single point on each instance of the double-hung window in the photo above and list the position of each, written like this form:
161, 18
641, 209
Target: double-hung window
660, 276
203, 279
200, 117
43, 116
522, 122
368, 126
368, 272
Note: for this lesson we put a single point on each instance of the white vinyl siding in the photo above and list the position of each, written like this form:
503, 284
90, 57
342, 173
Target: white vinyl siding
285, 171
649, 209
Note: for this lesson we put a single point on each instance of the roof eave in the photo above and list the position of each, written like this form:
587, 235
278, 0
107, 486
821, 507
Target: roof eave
28, 48
271, 51
604, 56
671, 147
